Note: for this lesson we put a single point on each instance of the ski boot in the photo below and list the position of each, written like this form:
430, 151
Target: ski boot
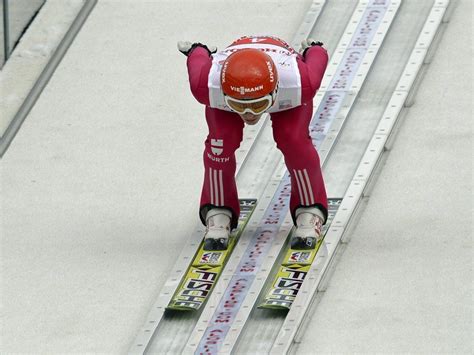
309, 221
218, 229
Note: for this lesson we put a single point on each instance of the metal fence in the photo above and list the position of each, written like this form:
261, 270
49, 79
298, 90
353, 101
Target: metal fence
16, 16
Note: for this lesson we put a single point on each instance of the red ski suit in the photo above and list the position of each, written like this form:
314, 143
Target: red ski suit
290, 131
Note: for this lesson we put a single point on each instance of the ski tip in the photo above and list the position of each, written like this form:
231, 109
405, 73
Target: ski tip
175, 308
274, 307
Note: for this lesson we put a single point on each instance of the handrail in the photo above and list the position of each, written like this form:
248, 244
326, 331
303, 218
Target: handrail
6, 31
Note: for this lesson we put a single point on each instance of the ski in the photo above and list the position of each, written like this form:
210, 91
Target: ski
206, 267
292, 271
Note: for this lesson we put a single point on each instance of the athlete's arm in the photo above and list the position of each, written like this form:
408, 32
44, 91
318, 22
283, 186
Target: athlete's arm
312, 67
199, 64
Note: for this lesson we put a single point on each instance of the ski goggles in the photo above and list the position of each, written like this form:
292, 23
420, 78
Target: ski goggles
255, 106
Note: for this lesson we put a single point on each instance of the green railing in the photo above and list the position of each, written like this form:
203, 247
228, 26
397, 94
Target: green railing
16, 16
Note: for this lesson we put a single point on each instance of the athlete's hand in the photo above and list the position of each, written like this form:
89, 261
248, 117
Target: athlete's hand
307, 43
187, 47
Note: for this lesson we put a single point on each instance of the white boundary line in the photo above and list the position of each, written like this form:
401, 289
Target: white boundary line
257, 284
155, 315
361, 178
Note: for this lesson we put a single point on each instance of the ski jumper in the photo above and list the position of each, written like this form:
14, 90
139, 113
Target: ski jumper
299, 79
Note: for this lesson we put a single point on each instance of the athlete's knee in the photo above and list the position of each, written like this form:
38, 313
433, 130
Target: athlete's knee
291, 140
226, 143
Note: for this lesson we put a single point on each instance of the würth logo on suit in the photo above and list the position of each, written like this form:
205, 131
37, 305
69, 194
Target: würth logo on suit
217, 146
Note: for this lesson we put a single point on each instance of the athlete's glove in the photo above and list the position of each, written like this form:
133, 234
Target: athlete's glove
308, 43
187, 47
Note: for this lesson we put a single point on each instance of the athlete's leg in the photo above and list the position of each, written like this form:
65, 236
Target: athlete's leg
219, 188
291, 134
